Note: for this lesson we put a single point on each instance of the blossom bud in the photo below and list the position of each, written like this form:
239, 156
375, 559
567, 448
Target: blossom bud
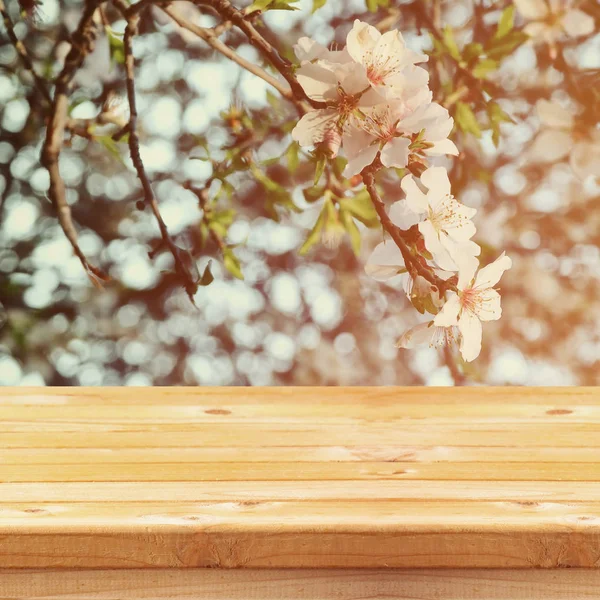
332, 140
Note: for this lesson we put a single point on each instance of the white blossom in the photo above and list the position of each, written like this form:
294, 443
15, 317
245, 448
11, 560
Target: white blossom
551, 20
390, 128
385, 57
561, 137
427, 333
476, 301
342, 86
445, 223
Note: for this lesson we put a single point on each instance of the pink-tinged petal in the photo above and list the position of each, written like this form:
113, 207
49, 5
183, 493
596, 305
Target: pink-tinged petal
488, 305
532, 9
539, 31
551, 145
411, 85
467, 266
402, 216
306, 49
585, 159
352, 78
425, 333
554, 115
391, 54
313, 126
434, 244
577, 23
442, 148
358, 161
395, 153
471, 332
436, 180
371, 99
361, 40
318, 81
490, 275
385, 261
416, 200
433, 117
355, 140
448, 315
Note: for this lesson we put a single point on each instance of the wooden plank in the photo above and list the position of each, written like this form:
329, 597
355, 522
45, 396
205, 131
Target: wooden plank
368, 398
252, 491
300, 470
190, 547
281, 412
37, 435
310, 478
364, 516
299, 584
336, 454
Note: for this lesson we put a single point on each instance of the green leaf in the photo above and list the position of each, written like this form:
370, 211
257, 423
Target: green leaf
320, 167
506, 22
232, 263
484, 67
450, 43
111, 146
264, 5
472, 51
466, 120
317, 4
361, 207
353, 231
500, 48
315, 233
497, 116
291, 155
496, 113
312, 194
207, 277
116, 48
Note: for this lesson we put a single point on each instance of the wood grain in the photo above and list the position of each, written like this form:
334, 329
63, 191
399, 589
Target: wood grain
298, 584
313, 477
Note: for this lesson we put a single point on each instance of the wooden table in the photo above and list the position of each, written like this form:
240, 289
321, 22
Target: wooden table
304, 493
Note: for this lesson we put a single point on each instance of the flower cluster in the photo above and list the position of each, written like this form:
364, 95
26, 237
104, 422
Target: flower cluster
376, 101
378, 108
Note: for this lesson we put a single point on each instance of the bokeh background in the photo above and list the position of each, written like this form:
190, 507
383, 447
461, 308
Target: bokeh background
295, 320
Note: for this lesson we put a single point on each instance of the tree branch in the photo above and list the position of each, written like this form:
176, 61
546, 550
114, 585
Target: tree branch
209, 36
39, 83
413, 266
183, 260
230, 13
82, 42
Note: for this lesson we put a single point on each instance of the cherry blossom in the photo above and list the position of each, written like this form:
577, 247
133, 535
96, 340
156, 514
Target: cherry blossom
562, 137
428, 333
446, 224
342, 86
384, 56
390, 129
308, 50
476, 301
550, 20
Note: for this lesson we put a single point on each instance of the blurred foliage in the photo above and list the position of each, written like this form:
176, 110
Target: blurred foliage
277, 238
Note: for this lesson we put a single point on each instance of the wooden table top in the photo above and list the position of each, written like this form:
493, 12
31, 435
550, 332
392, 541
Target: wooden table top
299, 477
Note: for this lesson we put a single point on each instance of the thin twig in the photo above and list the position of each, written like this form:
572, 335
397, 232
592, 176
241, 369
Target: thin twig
39, 83
209, 36
82, 42
180, 256
230, 13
